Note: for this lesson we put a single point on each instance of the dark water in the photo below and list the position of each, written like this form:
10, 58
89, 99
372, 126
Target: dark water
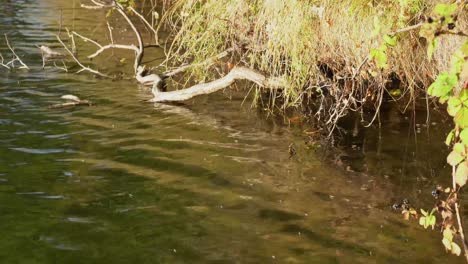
126, 181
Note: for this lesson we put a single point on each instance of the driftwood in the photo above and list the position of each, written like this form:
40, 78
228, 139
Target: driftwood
72, 101
237, 73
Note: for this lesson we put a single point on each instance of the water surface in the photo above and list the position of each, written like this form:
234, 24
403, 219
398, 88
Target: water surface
211, 181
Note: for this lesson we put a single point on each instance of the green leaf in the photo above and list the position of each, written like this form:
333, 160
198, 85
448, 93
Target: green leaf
448, 234
391, 41
464, 136
431, 48
432, 221
461, 118
443, 84
422, 220
461, 174
454, 158
454, 105
459, 148
449, 138
380, 57
424, 212
445, 9
443, 99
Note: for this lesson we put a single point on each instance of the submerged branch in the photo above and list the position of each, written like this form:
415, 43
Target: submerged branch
237, 73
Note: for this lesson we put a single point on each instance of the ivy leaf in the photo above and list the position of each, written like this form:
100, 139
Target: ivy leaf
448, 234
443, 84
454, 158
464, 136
459, 148
422, 221
432, 221
449, 138
461, 118
461, 174
445, 9
454, 105
447, 244
380, 56
456, 250
431, 48
391, 41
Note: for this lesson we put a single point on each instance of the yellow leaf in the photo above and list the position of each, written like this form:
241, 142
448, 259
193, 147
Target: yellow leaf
447, 244
448, 234
456, 250
461, 175
422, 220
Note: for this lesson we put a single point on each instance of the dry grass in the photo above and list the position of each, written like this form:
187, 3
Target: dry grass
314, 49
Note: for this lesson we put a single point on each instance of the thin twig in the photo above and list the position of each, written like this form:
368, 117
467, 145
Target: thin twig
113, 46
24, 66
139, 53
85, 39
83, 68
147, 23
406, 29
2, 62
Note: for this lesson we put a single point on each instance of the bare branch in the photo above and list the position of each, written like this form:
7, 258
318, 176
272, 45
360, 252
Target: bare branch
85, 39
113, 46
2, 62
110, 32
147, 24
237, 73
83, 68
97, 5
24, 66
139, 53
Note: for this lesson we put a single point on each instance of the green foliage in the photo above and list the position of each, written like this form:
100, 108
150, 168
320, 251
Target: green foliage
428, 219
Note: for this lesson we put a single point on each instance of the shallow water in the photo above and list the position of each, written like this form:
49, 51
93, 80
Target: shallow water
126, 181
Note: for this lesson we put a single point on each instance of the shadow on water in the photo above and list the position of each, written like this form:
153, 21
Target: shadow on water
208, 182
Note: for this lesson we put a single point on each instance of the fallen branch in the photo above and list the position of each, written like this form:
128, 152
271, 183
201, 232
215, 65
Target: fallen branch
237, 73
71, 104
72, 101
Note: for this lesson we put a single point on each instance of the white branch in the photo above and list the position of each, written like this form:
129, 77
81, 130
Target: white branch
24, 66
147, 23
237, 73
85, 39
2, 62
83, 68
113, 46
139, 55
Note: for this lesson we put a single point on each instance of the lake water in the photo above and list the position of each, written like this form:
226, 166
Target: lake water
211, 181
